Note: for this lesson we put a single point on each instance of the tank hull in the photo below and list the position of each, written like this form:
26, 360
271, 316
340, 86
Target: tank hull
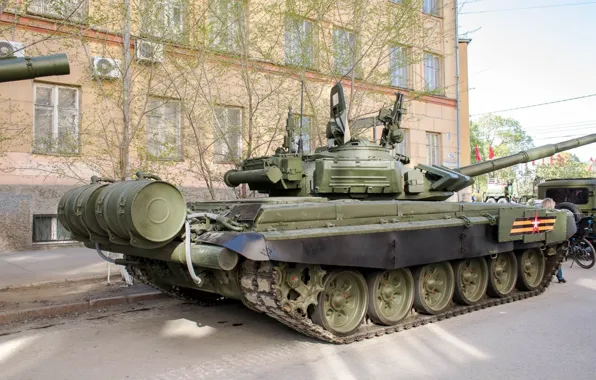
286, 236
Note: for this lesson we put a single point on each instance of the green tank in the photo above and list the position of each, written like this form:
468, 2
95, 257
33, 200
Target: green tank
14, 69
349, 243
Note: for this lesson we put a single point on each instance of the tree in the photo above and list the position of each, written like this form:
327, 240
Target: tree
569, 166
505, 136
212, 92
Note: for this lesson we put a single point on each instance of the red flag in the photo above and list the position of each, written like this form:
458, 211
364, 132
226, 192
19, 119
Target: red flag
478, 158
491, 152
533, 163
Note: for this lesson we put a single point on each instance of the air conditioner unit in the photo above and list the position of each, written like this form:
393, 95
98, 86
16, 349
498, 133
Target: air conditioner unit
11, 49
149, 52
106, 68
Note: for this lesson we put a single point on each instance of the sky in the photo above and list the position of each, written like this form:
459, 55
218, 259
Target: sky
525, 57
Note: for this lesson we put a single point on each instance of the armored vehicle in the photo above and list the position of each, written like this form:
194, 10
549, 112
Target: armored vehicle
14, 69
350, 242
575, 194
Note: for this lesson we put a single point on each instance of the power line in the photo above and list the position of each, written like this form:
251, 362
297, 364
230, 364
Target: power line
536, 105
526, 8
572, 136
570, 124
557, 130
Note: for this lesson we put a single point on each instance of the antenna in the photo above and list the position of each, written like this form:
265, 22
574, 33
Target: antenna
300, 142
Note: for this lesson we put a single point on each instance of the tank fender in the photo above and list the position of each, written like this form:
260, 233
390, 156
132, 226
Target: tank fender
571, 225
248, 244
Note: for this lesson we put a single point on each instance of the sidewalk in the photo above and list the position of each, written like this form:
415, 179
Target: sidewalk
60, 264
61, 281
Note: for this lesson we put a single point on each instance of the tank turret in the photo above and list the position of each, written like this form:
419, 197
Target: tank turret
360, 169
13, 69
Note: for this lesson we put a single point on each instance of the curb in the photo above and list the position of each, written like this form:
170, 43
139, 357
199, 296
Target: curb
56, 310
56, 282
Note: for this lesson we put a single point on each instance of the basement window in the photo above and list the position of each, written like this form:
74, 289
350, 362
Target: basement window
47, 228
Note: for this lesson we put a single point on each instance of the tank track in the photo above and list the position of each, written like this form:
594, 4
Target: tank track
260, 283
205, 299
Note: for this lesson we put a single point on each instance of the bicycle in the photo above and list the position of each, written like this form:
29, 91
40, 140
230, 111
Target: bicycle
580, 249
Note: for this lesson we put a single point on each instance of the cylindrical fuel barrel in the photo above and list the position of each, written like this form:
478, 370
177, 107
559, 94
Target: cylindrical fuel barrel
67, 212
142, 212
13, 69
76, 211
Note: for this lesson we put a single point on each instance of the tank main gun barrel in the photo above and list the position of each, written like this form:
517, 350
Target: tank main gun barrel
525, 156
13, 69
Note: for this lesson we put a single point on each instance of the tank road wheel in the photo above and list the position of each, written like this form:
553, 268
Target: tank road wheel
300, 287
502, 274
471, 280
390, 295
434, 287
530, 269
342, 303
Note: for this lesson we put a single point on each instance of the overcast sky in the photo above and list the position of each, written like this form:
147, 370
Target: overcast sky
525, 57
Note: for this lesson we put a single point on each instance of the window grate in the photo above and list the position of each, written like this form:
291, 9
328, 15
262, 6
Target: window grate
47, 228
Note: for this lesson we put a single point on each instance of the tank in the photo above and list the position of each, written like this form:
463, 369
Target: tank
350, 242
14, 69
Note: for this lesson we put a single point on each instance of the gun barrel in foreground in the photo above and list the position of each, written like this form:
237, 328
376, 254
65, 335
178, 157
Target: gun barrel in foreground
14, 69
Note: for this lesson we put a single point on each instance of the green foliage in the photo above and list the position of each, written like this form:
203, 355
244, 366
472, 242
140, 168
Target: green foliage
506, 136
570, 167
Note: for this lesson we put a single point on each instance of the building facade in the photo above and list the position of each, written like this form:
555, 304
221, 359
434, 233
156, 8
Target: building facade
188, 89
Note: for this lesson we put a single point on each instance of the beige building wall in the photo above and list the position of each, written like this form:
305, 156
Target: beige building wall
32, 182
464, 103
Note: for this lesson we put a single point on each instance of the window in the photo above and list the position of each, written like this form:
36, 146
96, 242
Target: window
56, 119
163, 129
432, 149
299, 43
578, 196
227, 134
430, 7
74, 10
304, 133
432, 72
401, 148
47, 228
344, 51
398, 61
163, 18
226, 25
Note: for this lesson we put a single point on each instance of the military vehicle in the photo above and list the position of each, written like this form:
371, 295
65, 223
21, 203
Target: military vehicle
14, 69
498, 192
575, 194
349, 244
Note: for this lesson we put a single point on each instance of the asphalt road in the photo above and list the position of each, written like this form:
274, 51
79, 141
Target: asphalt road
552, 336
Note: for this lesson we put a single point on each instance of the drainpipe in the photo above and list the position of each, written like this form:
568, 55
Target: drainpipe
457, 89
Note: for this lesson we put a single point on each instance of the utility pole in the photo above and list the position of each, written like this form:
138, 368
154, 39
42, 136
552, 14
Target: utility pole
124, 151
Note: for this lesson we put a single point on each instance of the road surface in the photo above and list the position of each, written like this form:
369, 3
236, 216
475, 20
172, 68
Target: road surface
549, 336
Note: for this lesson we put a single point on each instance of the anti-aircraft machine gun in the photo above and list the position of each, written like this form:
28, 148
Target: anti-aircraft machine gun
350, 243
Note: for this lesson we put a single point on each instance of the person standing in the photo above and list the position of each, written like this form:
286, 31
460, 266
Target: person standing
550, 204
